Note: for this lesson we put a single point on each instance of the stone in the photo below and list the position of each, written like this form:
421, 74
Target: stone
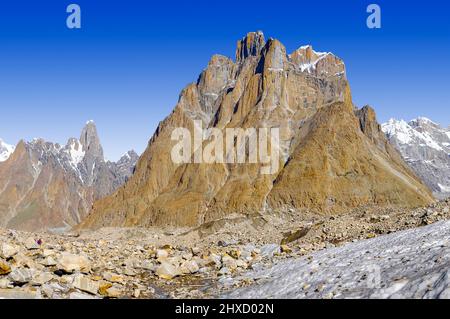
71, 263
114, 292
235, 253
229, 262
214, 260
85, 284
49, 261
7, 251
5, 283
42, 278
30, 243
5, 268
269, 250
20, 276
167, 271
112, 277
47, 252
286, 249
103, 287
294, 235
162, 253
189, 267
241, 264
148, 265
47, 290
129, 271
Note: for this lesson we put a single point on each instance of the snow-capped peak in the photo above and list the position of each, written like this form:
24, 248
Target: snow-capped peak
425, 146
407, 133
319, 63
5, 150
398, 128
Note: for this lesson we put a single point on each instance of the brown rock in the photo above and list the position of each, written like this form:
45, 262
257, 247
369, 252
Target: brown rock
103, 288
5, 268
111, 277
338, 157
294, 235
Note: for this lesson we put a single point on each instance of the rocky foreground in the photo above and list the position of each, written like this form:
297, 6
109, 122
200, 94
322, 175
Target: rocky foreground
289, 254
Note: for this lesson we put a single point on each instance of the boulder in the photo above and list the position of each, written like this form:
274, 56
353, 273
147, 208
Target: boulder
21, 276
70, 263
30, 243
167, 271
5, 268
7, 251
85, 284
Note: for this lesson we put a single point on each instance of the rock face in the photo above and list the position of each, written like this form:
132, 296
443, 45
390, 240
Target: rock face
5, 150
48, 186
332, 157
425, 146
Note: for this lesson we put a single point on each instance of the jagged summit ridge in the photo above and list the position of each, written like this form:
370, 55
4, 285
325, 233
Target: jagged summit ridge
250, 45
336, 158
45, 185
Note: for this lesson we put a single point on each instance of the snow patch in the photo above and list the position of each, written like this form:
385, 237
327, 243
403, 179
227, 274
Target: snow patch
5, 150
444, 188
76, 153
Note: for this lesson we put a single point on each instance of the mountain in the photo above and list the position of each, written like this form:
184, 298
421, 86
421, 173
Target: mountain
425, 146
5, 150
333, 157
45, 185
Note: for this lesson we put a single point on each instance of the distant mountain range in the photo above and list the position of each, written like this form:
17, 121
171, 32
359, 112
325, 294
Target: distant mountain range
425, 146
44, 185
333, 156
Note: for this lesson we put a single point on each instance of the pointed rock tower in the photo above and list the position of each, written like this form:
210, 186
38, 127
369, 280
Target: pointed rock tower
333, 158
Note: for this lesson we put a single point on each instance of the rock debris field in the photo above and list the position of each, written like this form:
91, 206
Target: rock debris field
365, 253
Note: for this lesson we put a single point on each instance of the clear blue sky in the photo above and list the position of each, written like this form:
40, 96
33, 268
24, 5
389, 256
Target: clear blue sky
126, 66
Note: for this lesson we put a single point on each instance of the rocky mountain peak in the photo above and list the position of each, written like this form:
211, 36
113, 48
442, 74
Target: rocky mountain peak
130, 156
250, 45
318, 63
336, 157
90, 141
